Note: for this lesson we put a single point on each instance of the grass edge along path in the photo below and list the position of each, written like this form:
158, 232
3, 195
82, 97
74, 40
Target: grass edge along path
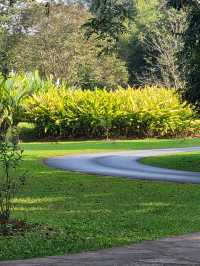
189, 161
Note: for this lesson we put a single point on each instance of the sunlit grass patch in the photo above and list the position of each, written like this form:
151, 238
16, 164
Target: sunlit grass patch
85, 212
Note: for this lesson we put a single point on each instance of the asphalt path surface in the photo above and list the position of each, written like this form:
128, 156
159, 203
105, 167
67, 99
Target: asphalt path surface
126, 164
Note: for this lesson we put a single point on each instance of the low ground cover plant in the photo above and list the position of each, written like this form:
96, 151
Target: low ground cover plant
152, 111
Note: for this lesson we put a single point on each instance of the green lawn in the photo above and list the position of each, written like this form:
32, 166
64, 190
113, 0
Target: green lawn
185, 161
91, 212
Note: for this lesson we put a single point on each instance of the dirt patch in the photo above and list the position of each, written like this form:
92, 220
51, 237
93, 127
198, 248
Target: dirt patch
18, 227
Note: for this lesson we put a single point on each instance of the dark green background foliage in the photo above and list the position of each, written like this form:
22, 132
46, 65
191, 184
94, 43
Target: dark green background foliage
59, 49
110, 19
191, 55
189, 59
56, 44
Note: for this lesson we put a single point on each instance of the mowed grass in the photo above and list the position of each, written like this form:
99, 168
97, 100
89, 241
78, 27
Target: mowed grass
88, 212
189, 161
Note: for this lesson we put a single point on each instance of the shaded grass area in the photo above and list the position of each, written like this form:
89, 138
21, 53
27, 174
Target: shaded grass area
91, 212
184, 161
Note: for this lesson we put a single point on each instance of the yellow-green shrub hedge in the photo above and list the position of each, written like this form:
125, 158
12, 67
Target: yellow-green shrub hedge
151, 111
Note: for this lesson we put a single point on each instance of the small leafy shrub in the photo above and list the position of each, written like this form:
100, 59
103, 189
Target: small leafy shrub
13, 91
10, 158
11, 110
152, 111
26, 82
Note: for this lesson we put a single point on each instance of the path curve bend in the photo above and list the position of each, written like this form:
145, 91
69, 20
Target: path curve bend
126, 164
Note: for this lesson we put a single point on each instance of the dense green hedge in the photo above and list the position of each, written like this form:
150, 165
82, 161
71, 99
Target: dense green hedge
144, 112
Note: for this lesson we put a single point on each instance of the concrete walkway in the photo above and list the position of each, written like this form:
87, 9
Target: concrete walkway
184, 250
126, 164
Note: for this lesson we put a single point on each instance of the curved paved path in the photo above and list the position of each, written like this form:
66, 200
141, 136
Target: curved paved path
126, 164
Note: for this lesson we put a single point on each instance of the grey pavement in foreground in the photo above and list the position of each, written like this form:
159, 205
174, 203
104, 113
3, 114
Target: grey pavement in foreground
183, 250
126, 164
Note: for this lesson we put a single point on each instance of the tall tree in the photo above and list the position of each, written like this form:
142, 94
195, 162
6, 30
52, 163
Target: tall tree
132, 44
14, 23
190, 55
57, 48
5, 20
162, 41
110, 18
10, 29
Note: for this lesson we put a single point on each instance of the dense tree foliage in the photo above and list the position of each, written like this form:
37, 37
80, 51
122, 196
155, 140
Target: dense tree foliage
13, 25
189, 56
162, 42
157, 41
57, 47
132, 45
110, 18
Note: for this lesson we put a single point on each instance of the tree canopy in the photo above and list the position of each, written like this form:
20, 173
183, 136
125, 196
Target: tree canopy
157, 42
110, 18
190, 54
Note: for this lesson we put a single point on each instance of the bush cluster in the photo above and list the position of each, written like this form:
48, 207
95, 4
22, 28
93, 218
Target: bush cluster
148, 112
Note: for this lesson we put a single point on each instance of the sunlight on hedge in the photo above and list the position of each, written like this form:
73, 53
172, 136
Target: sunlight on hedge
152, 111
